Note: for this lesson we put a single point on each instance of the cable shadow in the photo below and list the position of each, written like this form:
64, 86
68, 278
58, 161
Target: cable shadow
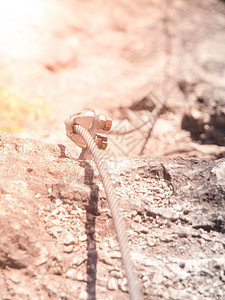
91, 213
62, 151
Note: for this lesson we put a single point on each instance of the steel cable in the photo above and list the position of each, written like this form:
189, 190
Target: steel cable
153, 116
132, 279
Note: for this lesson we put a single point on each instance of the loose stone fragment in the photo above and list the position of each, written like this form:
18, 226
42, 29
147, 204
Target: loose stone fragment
112, 284
80, 277
68, 249
122, 283
83, 238
71, 273
69, 240
116, 254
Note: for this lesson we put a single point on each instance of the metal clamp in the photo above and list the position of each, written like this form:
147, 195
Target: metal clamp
94, 123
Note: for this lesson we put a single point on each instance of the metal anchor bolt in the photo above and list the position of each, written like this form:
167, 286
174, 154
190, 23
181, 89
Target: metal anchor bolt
94, 123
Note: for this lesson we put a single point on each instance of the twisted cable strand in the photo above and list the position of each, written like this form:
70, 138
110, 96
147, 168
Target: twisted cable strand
153, 116
132, 279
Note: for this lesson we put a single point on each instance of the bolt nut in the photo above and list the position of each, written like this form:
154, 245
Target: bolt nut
108, 124
101, 142
104, 145
101, 122
104, 123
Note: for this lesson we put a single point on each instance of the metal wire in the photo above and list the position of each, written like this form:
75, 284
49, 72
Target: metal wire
153, 115
132, 279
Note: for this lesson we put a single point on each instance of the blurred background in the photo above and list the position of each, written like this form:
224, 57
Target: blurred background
123, 59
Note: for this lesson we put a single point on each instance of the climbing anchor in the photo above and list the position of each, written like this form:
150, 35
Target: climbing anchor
95, 123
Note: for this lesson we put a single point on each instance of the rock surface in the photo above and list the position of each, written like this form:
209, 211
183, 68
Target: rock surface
206, 118
57, 235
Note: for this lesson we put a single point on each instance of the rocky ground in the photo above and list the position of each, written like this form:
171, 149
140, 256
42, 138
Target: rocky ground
58, 239
57, 235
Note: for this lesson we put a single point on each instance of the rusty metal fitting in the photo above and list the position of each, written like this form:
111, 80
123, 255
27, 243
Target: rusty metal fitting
94, 123
101, 142
101, 122
105, 123
108, 124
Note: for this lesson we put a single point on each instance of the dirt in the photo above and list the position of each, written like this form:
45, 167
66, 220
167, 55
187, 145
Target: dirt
123, 59
57, 234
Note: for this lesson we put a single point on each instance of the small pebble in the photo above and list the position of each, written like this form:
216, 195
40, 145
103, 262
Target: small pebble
53, 232
71, 273
79, 211
69, 240
56, 222
115, 254
116, 274
55, 212
83, 295
58, 270
122, 283
83, 238
164, 184
61, 216
112, 243
137, 219
145, 278
178, 208
139, 228
137, 177
80, 277
78, 260
58, 202
219, 293
112, 284
133, 213
68, 249
157, 190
